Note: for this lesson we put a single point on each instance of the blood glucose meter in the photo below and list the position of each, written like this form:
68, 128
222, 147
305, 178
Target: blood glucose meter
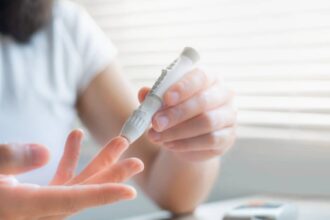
263, 211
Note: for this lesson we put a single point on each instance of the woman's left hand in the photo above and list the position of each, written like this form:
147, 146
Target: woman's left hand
197, 120
100, 183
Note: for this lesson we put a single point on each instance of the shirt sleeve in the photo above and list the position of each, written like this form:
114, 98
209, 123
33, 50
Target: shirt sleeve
95, 49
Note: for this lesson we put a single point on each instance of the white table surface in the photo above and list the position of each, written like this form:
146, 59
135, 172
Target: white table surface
309, 209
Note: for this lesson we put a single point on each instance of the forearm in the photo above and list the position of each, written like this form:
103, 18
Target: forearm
202, 131
178, 185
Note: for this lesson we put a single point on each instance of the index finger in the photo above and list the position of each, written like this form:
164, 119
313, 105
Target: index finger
187, 86
105, 158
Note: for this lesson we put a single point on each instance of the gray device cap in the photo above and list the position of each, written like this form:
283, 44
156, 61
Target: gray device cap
191, 53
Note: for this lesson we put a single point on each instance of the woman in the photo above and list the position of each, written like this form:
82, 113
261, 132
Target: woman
55, 63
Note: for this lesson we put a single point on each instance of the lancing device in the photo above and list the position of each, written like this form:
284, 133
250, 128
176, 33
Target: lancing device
140, 120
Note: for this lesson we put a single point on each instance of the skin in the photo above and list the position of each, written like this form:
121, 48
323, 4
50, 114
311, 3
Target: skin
68, 194
180, 151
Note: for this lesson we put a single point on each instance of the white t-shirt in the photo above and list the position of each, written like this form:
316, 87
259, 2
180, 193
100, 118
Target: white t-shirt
40, 81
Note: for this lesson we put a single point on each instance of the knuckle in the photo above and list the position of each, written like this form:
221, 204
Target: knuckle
208, 121
229, 140
103, 197
176, 112
203, 100
63, 174
203, 76
106, 161
197, 77
216, 152
170, 135
119, 176
178, 146
221, 120
212, 139
109, 155
183, 85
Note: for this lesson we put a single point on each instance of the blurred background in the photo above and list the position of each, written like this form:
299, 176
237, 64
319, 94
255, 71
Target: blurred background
274, 53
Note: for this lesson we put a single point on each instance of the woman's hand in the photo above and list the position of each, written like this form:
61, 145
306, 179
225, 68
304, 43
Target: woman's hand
197, 121
98, 184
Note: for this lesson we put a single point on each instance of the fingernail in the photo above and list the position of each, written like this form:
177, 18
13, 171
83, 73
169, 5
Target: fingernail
162, 122
174, 97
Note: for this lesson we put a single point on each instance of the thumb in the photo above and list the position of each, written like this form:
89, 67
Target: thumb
143, 93
20, 158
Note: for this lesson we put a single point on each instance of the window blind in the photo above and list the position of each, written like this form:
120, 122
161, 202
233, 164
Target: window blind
274, 53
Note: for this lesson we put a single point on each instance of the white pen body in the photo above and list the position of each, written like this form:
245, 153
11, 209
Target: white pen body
181, 67
141, 118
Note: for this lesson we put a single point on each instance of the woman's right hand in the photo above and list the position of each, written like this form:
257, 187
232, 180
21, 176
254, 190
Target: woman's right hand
98, 184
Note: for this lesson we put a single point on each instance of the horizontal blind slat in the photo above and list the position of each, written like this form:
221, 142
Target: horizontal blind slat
283, 134
238, 57
274, 53
287, 88
285, 119
109, 8
284, 104
261, 73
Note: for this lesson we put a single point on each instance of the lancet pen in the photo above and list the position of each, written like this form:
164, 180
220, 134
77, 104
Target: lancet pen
140, 120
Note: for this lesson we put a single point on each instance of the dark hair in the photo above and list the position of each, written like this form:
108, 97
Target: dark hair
20, 19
